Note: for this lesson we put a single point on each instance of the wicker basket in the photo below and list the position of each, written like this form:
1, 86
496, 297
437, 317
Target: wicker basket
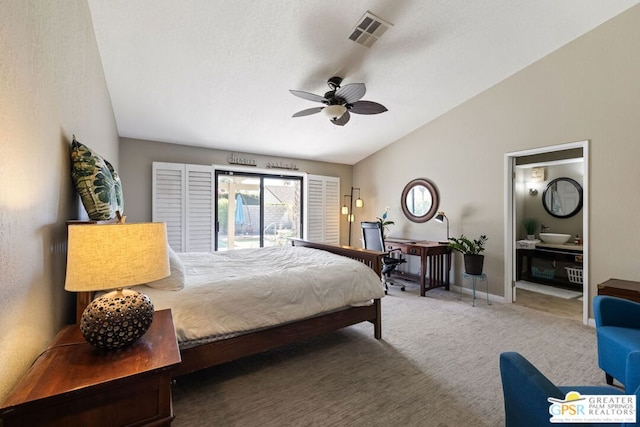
574, 274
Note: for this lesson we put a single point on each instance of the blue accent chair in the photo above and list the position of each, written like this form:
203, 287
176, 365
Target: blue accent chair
618, 335
526, 391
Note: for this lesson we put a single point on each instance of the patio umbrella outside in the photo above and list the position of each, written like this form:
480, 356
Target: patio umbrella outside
239, 209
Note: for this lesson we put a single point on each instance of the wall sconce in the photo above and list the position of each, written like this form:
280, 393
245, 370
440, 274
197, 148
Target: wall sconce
348, 210
537, 175
441, 217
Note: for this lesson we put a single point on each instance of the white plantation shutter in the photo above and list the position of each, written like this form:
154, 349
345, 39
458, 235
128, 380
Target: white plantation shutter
323, 209
183, 198
168, 201
200, 217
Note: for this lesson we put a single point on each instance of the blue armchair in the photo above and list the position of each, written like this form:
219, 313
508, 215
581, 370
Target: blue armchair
618, 335
526, 391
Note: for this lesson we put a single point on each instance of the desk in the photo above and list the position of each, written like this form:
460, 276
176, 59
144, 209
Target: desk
435, 260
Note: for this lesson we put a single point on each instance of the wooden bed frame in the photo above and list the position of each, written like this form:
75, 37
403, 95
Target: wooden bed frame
218, 352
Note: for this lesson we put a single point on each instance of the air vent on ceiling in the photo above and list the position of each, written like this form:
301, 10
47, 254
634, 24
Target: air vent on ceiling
369, 29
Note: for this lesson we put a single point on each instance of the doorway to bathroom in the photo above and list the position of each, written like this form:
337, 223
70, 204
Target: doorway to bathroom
546, 235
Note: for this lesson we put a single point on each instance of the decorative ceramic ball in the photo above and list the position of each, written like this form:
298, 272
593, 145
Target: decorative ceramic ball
117, 319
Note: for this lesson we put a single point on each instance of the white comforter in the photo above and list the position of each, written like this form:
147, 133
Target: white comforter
231, 292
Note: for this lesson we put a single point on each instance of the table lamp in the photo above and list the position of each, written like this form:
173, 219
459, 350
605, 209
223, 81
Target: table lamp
441, 217
114, 256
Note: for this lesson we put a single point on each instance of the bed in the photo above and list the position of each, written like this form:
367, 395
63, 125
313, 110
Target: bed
254, 327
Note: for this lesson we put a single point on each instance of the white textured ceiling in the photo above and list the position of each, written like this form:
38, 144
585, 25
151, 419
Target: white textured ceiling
217, 73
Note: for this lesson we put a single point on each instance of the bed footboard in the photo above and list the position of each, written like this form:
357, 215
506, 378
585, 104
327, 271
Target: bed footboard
373, 259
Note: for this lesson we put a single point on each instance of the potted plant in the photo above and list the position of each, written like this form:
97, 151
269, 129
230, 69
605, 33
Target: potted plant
530, 225
384, 222
471, 250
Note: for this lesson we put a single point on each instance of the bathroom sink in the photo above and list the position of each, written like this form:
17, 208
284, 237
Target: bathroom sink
555, 238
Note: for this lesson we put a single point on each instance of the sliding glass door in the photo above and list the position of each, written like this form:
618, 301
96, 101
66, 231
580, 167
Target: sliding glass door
256, 210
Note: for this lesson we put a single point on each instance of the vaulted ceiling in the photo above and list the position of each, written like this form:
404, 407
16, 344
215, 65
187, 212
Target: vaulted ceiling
216, 73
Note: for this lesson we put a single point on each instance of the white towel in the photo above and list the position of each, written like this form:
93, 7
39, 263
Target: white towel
526, 244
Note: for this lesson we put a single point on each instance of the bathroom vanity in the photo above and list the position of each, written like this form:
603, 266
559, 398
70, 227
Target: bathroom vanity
555, 257
551, 264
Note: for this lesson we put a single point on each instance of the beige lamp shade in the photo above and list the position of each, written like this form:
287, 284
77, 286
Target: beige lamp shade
110, 256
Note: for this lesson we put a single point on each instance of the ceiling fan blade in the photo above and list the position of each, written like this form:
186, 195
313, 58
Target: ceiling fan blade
342, 120
308, 96
308, 111
367, 107
351, 92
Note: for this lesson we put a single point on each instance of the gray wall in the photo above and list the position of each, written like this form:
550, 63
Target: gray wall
51, 86
588, 89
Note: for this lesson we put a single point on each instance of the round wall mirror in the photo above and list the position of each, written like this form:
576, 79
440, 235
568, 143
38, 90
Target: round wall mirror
419, 200
562, 198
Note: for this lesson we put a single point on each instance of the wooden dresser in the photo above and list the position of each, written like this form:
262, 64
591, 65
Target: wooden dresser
74, 384
627, 289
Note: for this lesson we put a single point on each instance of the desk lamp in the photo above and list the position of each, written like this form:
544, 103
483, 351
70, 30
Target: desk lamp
441, 217
114, 256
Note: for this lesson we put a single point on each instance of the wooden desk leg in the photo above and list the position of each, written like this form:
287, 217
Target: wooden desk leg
423, 273
448, 267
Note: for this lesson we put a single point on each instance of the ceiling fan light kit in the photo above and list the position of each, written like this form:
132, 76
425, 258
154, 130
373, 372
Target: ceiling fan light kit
334, 111
339, 102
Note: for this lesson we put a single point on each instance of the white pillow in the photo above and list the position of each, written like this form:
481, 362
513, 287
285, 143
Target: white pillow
175, 281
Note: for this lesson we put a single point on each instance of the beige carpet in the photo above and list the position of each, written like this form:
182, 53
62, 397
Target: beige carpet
437, 365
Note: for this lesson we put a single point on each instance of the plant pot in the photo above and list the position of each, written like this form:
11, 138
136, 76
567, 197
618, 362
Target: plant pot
473, 264
531, 237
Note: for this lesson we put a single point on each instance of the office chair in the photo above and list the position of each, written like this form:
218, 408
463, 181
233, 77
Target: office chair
373, 240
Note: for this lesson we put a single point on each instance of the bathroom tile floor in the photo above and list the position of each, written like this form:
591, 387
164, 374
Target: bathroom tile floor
563, 307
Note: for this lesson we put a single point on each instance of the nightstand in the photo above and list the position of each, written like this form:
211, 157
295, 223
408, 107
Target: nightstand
73, 383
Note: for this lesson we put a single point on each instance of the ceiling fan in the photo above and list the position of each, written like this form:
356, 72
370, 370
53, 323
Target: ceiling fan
340, 102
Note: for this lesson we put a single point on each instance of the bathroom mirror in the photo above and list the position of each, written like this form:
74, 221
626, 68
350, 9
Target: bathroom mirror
419, 200
562, 198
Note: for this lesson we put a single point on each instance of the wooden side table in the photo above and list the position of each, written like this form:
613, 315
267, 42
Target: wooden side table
73, 383
627, 289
